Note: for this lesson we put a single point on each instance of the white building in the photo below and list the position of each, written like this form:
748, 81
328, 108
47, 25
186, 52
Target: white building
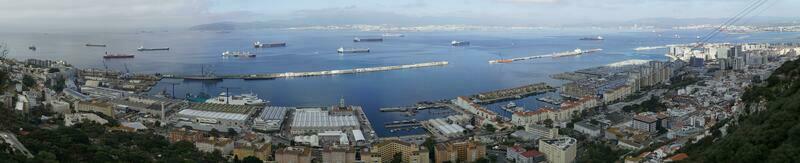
316, 120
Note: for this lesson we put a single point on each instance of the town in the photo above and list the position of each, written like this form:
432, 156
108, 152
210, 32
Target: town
637, 111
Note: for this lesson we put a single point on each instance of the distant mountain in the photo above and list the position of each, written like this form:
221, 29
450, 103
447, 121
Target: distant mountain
671, 22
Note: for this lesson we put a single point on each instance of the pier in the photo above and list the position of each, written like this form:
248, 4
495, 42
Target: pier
317, 73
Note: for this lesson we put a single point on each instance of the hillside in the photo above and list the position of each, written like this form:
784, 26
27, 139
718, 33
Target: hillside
772, 135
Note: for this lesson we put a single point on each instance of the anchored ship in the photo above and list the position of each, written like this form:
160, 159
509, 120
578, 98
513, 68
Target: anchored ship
96, 45
352, 50
242, 99
141, 48
258, 44
598, 38
238, 54
357, 39
459, 43
113, 56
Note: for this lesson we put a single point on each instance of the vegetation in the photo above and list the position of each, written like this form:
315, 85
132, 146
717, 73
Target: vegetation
489, 128
598, 152
772, 135
28, 81
681, 82
430, 144
652, 105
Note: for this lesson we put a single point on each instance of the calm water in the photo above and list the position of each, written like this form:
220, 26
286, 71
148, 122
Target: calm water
468, 71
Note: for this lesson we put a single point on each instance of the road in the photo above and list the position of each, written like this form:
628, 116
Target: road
11, 139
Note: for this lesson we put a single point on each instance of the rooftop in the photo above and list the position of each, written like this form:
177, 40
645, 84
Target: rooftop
213, 115
238, 109
321, 118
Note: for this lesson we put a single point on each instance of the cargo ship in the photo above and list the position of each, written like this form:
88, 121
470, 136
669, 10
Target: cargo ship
352, 50
114, 56
141, 48
357, 39
96, 45
459, 43
258, 44
238, 54
598, 38
32, 48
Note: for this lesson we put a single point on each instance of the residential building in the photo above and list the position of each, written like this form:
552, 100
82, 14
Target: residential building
339, 154
464, 151
385, 150
517, 154
243, 149
293, 155
559, 150
589, 129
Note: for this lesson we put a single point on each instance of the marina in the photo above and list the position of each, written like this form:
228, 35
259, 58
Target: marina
316, 73
512, 93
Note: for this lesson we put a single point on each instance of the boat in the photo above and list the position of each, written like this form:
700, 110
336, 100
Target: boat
242, 99
238, 54
501, 61
32, 48
96, 45
115, 56
141, 48
258, 44
459, 43
598, 38
510, 105
393, 35
352, 50
357, 39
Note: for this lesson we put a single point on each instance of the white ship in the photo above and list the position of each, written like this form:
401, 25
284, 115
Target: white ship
237, 54
242, 99
459, 43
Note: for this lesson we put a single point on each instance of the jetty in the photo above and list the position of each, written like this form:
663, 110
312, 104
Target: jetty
318, 73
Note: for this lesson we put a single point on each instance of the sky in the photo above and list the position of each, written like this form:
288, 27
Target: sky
112, 14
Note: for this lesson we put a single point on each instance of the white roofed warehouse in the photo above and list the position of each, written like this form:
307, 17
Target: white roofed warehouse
316, 120
221, 117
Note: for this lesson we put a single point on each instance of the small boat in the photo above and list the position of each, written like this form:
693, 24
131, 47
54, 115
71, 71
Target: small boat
598, 38
32, 48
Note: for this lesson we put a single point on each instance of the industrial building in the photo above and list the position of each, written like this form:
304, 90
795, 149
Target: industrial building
440, 126
221, 117
271, 118
316, 120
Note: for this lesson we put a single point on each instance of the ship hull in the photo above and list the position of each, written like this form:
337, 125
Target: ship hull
153, 49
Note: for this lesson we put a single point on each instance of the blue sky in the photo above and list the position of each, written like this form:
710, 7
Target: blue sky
183, 13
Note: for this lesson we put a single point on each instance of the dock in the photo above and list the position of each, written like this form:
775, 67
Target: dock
319, 73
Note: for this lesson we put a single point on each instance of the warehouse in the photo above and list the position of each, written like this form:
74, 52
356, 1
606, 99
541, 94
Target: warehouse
271, 118
316, 120
215, 116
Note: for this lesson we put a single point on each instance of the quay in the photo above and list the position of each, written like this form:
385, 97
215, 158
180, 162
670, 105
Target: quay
317, 73
512, 93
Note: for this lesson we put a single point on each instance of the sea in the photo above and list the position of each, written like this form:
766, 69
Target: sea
468, 71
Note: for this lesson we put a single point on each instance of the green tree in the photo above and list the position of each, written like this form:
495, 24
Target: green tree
397, 158
28, 81
251, 159
489, 128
